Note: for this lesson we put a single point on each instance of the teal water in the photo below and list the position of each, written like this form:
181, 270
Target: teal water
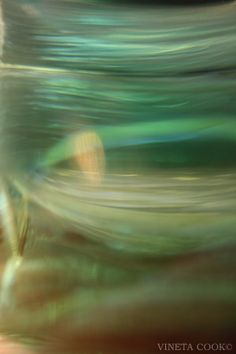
117, 158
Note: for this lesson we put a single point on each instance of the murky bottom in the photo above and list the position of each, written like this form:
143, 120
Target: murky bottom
118, 166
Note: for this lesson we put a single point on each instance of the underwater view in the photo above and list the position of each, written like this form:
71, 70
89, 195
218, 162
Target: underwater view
117, 176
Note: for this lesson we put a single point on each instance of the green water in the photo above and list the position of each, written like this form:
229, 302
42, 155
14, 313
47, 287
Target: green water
118, 165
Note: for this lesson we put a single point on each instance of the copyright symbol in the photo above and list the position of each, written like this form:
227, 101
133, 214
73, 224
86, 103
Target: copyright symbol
229, 346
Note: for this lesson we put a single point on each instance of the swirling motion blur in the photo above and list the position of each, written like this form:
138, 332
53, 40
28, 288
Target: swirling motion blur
159, 96
121, 132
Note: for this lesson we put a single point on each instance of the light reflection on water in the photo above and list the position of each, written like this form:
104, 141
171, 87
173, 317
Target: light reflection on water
118, 176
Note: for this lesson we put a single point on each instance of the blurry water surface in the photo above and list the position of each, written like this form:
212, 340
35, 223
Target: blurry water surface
118, 140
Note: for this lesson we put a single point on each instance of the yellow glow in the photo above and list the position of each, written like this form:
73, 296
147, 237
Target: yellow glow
89, 155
